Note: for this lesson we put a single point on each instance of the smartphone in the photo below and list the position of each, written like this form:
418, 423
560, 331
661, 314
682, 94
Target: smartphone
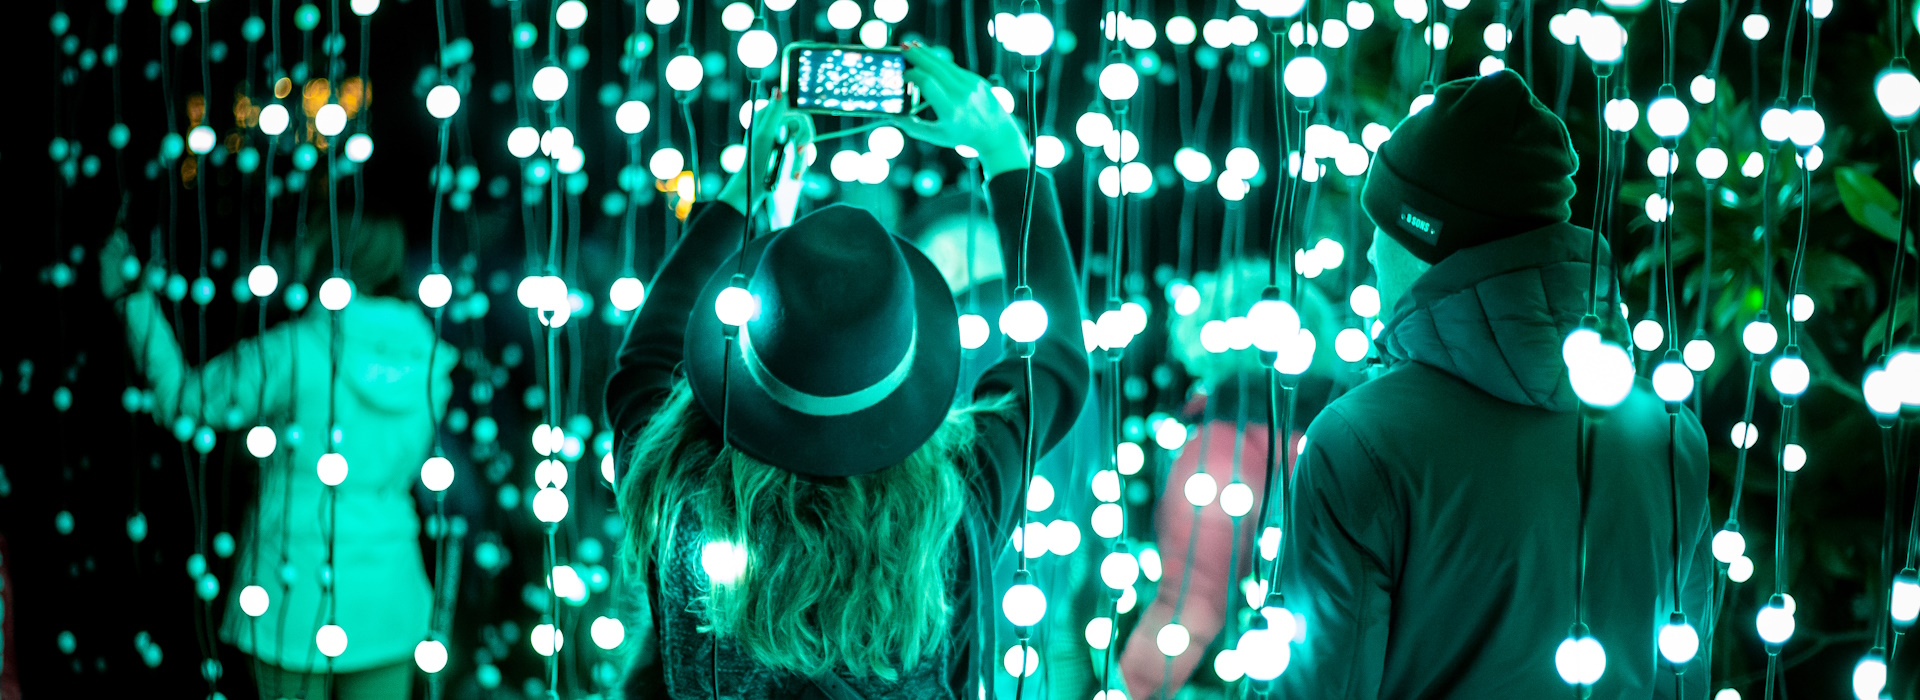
846, 80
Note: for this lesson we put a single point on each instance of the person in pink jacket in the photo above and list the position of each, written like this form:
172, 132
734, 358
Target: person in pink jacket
1206, 550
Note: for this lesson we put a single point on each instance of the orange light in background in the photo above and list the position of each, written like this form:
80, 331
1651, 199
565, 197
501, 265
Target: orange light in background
282, 88
244, 113
683, 189
189, 170
196, 110
314, 95
354, 94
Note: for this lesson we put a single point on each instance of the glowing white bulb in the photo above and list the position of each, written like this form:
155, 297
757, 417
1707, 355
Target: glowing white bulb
1740, 570
273, 119
607, 632
361, 8
546, 640
1727, 694
1039, 494
359, 148
1024, 321
973, 331
1793, 457
1759, 337
1099, 632
1703, 89
1602, 375
1200, 489
723, 562
1024, 604
1107, 520
1119, 570
1754, 27
436, 474
757, 49
1667, 117
735, 306
1898, 92
1305, 77
1118, 81
523, 141
201, 139
1808, 127
253, 601
1869, 676
1905, 604
570, 14
1745, 435
443, 101
1603, 39
550, 505
1801, 307
627, 294
1673, 382
1776, 124
1774, 623
261, 441
1420, 102
1647, 335
1819, 8
1274, 323
1711, 163
1698, 354
1295, 356
332, 468
664, 11
1679, 642
1236, 499
1170, 434
1790, 375
1021, 660
1173, 639
684, 72
331, 640
1622, 114
1581, 661
430, 655
1351, 344
1411, 10
632, 117
1029, 34
330, 120
550, 83
1263, 652
666, 164
1093, 129
1728, 546
435, 290
1048, 151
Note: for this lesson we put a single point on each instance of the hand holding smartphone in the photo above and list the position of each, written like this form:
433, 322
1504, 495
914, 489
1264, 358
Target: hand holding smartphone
845, 80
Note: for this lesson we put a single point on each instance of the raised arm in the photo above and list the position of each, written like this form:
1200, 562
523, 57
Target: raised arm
968, 114
655, 337
232, 390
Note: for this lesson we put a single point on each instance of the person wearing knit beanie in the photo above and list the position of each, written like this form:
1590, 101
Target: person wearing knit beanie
1485, 161
1436, 507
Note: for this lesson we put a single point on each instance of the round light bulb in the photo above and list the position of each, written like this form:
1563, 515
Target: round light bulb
1024, 604
430, 656
1305, 77
331, 640
1119, 570
1673, 382
757, 49
1869, 676
1698, 354
1024, 321
1711, 163
332, 468
1264, 653
1703, 89
1793, 457
570, 14
1602, 375
262, 280
607, 632
330, 120
435, 290
1808, 127
1667, 117
1905, 600
550, 83
1200, 489
436, 474
1236, 499
627, 294
1580, 660
736, 306
1603, 39
1622, 115
1173, 639
1774, 623
1679, 642
1118, 81
254, 601
1740, 570
1790, 375
632, 117
550, 505
442, 102
523, 141
1898, 92
261, 441
684, 72
1776, 124
335, 293
1759, 337
1728, 546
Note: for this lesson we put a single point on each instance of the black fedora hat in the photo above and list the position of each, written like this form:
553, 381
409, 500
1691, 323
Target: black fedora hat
851, 363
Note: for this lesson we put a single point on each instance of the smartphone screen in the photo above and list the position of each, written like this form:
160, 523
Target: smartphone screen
850, 80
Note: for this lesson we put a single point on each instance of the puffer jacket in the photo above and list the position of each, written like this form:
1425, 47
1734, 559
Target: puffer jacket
1433, 551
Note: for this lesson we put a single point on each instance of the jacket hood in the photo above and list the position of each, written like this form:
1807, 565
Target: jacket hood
1495, 315
386, 346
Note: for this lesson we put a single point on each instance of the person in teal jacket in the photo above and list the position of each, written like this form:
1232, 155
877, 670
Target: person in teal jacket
1434, 546
392, 379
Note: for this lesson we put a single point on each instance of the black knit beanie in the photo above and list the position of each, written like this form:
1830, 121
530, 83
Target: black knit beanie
1485, 161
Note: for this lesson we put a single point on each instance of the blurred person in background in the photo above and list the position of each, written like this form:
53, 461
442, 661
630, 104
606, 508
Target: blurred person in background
391, 380
1228, 408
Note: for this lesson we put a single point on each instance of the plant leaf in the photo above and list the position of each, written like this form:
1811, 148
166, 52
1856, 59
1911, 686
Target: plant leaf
1869, 203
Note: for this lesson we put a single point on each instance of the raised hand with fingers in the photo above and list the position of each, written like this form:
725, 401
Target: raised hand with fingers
968, 113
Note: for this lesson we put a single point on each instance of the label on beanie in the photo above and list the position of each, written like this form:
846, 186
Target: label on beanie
1426, 227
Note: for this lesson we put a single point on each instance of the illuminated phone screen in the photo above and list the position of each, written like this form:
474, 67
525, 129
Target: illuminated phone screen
838, 79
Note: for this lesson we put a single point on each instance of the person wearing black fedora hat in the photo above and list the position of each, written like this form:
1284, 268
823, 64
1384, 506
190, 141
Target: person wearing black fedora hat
807, 505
